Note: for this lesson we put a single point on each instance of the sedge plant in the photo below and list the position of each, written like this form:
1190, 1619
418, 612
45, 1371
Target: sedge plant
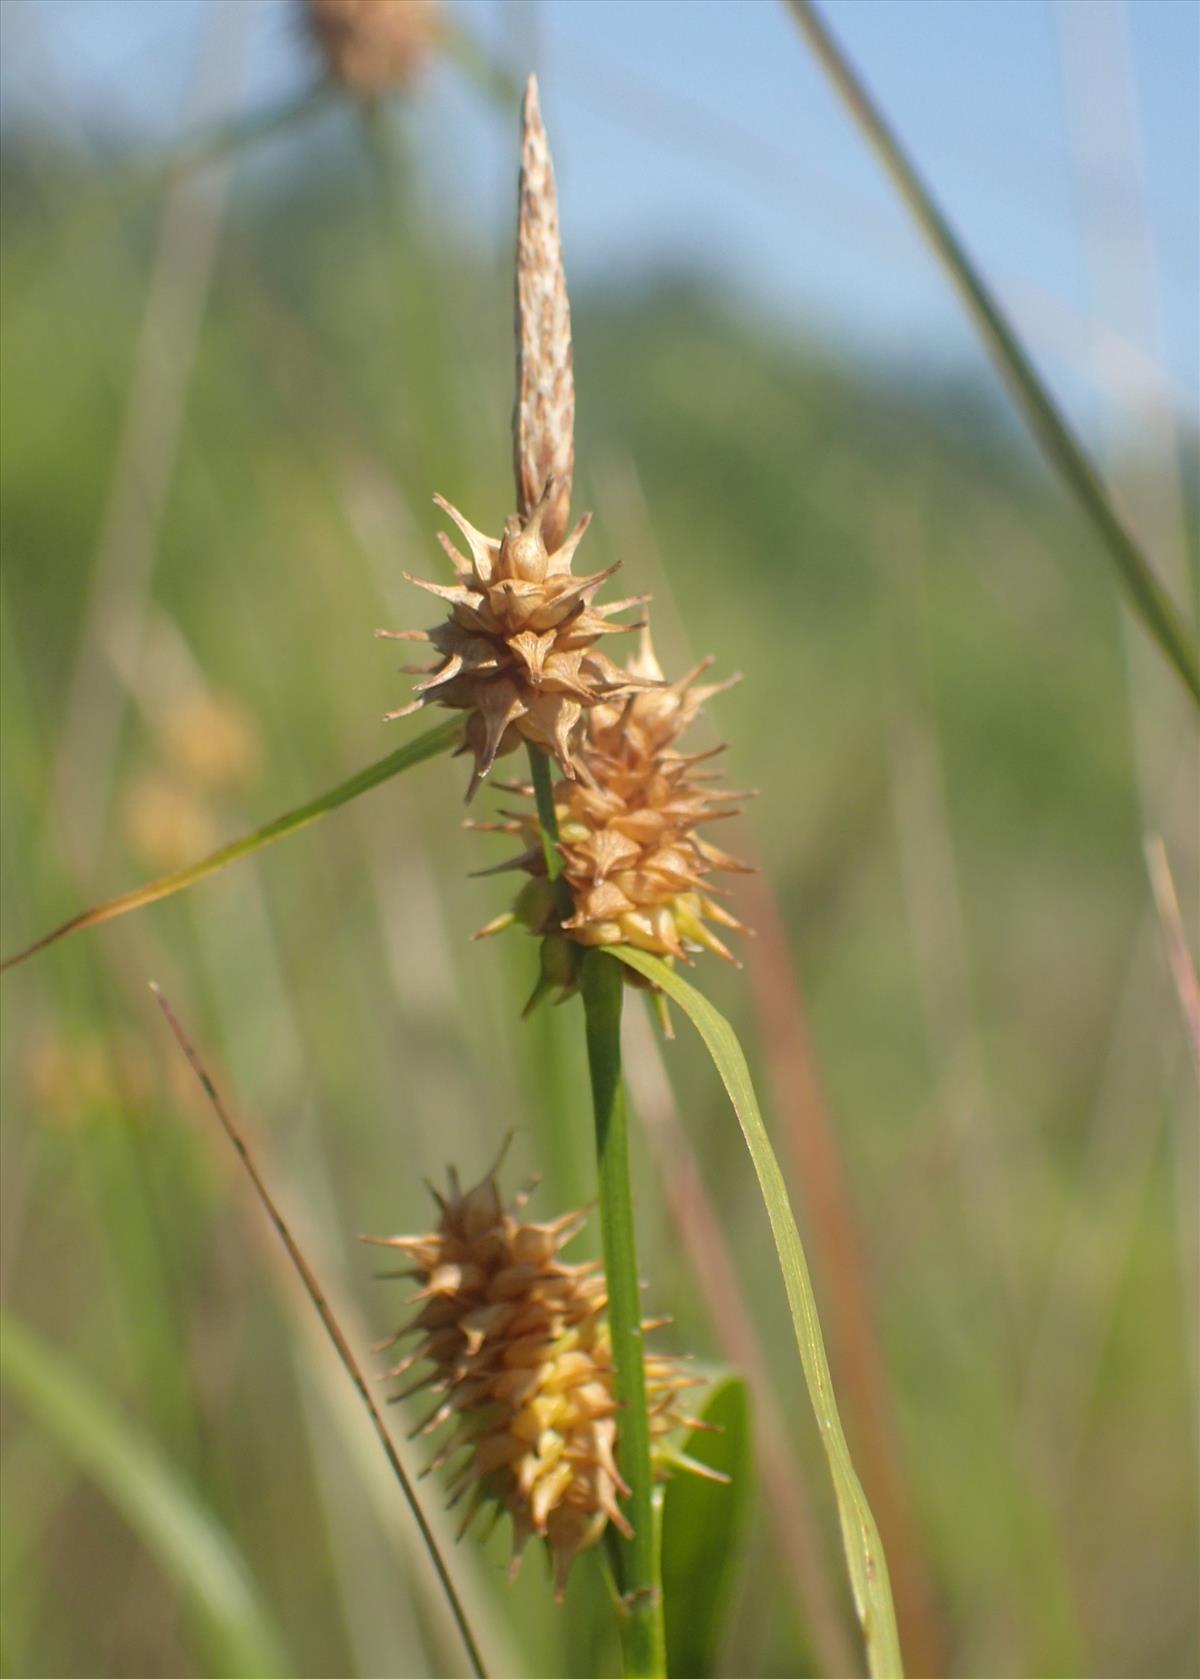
557, 1415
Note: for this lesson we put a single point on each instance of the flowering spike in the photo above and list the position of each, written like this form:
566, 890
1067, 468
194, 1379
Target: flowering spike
521, 1362
517, 650
544, 414
628, 827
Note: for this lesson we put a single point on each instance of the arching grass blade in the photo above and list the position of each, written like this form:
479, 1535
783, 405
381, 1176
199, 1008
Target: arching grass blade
860, 1536
405, 757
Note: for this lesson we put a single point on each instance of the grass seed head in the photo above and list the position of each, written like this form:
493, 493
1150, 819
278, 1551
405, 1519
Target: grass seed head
516, 1353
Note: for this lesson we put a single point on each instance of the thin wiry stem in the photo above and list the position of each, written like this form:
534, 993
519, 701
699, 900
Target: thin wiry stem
332, 1327
1147, 596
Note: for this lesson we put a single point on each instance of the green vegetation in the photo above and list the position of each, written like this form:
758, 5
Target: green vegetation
937, 710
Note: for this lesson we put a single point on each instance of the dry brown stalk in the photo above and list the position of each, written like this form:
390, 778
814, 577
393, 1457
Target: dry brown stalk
544, 414
331, 1325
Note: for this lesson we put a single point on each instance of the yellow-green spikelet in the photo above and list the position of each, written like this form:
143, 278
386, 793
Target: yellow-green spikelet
521, 1366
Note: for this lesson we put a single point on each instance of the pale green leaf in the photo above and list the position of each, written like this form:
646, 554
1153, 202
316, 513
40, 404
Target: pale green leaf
413, 752
860, 1536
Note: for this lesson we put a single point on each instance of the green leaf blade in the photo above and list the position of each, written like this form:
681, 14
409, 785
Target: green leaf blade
860, 1536
703, 1524
413, 752
183, 1537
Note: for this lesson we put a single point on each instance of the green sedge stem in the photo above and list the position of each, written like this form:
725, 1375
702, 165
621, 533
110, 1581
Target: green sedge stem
643, 1643
543, 794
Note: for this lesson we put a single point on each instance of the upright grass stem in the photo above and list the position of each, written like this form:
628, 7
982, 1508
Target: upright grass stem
643, 1642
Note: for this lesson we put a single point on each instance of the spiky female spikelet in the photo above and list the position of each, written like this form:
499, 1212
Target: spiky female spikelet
518, 650
522, 1370
372, 46
636, 864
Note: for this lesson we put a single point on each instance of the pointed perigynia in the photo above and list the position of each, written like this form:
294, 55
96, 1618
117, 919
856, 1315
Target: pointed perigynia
516, 1356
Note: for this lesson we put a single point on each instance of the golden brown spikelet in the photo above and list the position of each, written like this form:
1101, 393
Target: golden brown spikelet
629, 837
520, 1368
518, 650
371, 46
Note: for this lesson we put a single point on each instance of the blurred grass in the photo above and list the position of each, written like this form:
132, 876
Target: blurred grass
173, 1527
935, 682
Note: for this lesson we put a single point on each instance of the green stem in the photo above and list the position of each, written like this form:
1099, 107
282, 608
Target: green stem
643, 1642
543, 795
643, 1645
1149, 599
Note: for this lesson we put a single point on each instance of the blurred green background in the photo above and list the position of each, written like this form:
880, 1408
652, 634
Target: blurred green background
957, 1007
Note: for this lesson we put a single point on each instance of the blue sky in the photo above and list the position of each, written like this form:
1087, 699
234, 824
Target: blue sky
699, 135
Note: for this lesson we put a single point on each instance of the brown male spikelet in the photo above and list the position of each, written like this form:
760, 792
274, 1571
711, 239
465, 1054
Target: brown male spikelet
518, 651
371, 46
635, 863
522, 1369
544, 413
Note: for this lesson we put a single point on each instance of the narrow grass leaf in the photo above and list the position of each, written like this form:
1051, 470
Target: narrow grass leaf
703, 1523
860, 1536
1063, 450
176, 1529
405, 757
